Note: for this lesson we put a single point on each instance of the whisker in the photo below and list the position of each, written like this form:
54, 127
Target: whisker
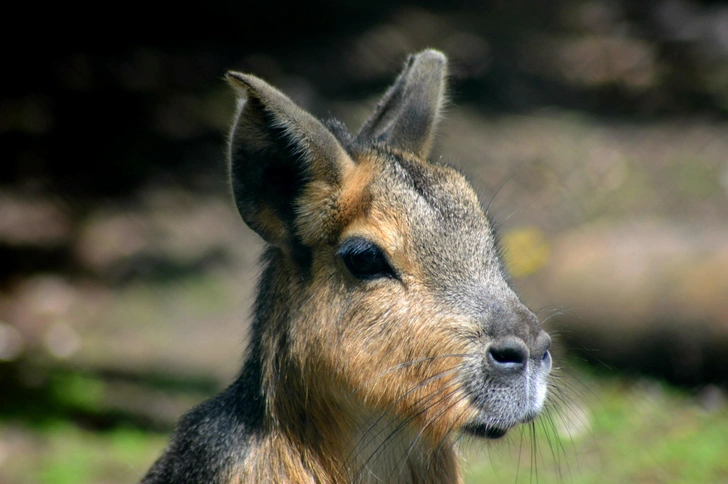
429, 422
410, 363
452, 426
555, 445
361, 444
559, 441
520, 453
555, 314
403, 424
534, 450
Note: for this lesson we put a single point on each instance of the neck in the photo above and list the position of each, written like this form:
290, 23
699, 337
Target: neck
334, 449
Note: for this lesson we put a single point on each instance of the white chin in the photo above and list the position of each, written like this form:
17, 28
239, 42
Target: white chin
537, 394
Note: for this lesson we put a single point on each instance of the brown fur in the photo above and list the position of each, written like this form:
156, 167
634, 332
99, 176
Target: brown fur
384, 327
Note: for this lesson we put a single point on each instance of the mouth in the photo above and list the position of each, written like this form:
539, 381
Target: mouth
493, 432
485, 431
505, 403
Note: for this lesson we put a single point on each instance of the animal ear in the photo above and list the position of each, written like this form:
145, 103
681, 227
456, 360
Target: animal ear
408, 112
276, 149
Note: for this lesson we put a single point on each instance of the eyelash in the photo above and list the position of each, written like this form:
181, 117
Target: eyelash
365, 260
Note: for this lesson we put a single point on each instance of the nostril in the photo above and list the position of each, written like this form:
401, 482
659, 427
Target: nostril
508, 355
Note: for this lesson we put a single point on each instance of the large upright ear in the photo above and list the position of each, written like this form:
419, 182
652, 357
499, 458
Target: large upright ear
276, 149
408, 112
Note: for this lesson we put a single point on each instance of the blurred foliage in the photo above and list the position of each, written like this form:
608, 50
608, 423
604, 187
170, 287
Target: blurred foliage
40, 395
532, 248
73, 455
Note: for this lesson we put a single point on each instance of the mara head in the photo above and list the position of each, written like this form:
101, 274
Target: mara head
384, 305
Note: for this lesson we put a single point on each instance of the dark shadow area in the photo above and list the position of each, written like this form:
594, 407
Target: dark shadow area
690, 357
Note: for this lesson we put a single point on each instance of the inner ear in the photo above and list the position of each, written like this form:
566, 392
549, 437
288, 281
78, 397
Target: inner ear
278, 176
277, 149
408, 113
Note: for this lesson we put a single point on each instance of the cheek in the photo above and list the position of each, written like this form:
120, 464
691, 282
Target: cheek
390, 348
403, 356
396, 326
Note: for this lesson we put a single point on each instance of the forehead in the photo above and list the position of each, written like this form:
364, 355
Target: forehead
435, 196
428, 212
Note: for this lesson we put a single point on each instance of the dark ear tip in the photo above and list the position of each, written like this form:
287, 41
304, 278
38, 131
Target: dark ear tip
235, 78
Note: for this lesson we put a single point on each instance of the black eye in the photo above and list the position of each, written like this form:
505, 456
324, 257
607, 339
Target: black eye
364, 259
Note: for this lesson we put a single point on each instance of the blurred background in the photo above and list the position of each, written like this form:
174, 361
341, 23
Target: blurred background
596, 131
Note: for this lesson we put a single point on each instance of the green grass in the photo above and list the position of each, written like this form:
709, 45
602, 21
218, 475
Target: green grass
64, 453
80, 456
